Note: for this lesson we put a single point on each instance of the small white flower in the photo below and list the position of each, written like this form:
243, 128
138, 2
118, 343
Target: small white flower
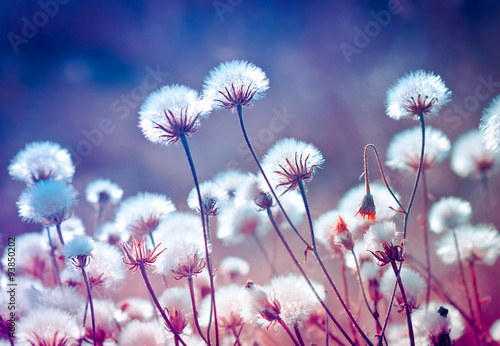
418, 92
49, 326
448, 213
237, 223
403, 153
229, 301
184, 255
103, 190
138, 333
235, 83
479, 243
413, 283
170, 112
490, 125
79, 245
229, 180
288, 163
438, 318
470, 158
141, 214
48, 202
213, 198
42, 161
176, 301
384, 241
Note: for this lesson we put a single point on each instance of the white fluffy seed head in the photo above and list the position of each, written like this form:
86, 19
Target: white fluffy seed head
229, 301
35, 259
382, 235
70, 228
48, 202
103, 190
64, 298
141, 214
438, 318
288, 162
490, 125
470, 158
403, 153
413, 283
495, 330
170, 111
449, 213
237, 223
41, 161
213, 198
49, 326
229, 180
234, 266
417, 92
106, 270
81, 245
138, 333
480, 243
237, 75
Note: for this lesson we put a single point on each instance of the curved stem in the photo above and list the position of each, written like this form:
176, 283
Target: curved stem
54, 260
205, 233
90, 302
195, 312
425, 226
422, 152
301, 270
325, 271
381, 172
242, 125
264, 253
405, 302
59, 233
358, 270
287, 330
158, 305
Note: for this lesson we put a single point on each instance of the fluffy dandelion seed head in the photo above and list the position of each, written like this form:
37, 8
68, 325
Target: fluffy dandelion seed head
141, 214
136, 308
79, 250
179, 221
470, 158
418, 92
102, 191
237, 223
234, 266
288, 163
42, 161
70, 228
413, 283
490, 125
184, 256
438, 318
170, 112
63, 298
229, 180
35, 259
235, 83
106, 270
495, 330
448, 213
48, 202
261, 305
49, 326
138, 333
106, 314
111, 233
294, 205
230, 301
213, 198
403, 153
480, 243
384, 241
176, 301
249, 191
323, 227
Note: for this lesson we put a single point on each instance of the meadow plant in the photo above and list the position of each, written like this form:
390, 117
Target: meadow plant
196, 297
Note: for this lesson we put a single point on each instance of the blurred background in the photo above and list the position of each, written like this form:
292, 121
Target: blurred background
76, 73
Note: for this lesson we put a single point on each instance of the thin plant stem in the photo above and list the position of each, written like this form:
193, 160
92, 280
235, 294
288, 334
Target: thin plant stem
154, 244
256, 159
301, 270
89, 294
397, 272
327, 323
329, 334
425, 227
264, 253
389, 309
325, 271
158, 305
343, 271
54, 260
237, 336
205, 235
403, 210
358, 270
98, 218
287, 330
213, 310
59, 233
297, 332
195, 312
480, 323
485, 192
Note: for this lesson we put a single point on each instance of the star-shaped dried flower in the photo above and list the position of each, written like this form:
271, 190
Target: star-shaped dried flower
136, 254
